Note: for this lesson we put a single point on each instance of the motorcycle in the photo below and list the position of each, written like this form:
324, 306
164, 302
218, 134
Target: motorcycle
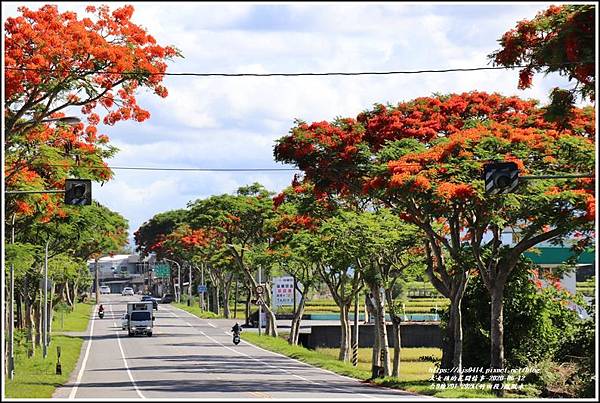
236, 335
101, 314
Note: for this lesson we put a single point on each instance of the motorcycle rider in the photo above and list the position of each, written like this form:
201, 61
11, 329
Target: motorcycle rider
236, 328
101, 311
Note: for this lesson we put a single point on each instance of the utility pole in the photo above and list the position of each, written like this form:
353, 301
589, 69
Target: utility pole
236, 298
96, 278
202, 281
45, 342
11, 327
259, 305
294, 293
190, 287
355, 341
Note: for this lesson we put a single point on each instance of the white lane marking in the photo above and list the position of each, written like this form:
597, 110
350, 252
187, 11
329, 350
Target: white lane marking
405, 393
125, 362
85, 357
191, 315
269, 365
408, 394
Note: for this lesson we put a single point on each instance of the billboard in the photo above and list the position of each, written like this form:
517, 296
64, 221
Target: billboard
283, 291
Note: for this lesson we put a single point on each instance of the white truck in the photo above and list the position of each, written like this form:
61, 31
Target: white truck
139, 318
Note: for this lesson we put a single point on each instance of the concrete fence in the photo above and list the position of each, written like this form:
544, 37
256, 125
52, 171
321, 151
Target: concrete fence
413, 334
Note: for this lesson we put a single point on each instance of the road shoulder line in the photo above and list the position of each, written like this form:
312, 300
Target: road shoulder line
125, 362
85, 357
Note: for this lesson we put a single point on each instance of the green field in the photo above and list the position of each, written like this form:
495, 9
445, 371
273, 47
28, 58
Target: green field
588, 287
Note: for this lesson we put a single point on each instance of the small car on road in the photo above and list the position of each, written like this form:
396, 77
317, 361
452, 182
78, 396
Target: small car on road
151, 298
104, 289
127, 291
167, 298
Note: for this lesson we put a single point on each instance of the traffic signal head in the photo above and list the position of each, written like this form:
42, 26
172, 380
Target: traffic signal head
78, 192
500, 177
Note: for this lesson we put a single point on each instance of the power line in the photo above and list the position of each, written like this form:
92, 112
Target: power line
288, 74
180, 169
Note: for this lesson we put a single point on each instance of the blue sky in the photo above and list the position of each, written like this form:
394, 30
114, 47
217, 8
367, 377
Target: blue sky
217, 122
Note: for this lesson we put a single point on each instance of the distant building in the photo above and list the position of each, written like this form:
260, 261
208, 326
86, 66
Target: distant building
120, 271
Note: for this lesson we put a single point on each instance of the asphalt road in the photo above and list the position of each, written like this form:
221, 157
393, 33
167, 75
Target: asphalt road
192, 358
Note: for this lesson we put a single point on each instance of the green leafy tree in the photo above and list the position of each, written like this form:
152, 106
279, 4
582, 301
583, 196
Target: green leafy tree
241, 221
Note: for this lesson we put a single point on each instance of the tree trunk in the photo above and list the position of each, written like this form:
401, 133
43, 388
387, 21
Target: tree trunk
295, 328
75, 294
458, 334
38, 321
271, 320
30, 323
448, 341
497, 336
215, 300
226, 312
382, 331
247, 307
396, 333
345, 337
68, 294
19, 312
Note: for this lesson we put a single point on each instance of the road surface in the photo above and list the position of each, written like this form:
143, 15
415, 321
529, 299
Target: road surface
192, 358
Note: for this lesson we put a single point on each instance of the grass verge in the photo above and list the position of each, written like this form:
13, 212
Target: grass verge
74, 321
414, 374
35, 377
195, 310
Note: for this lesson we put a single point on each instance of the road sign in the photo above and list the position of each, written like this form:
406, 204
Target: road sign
500, 177
42, 284
78, 192
202, 288
162, 270
259, 289
258, 301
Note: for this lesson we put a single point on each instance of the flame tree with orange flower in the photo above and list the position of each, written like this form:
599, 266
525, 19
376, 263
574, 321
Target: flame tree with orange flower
424, 159
241, 221
559, 39
56, 63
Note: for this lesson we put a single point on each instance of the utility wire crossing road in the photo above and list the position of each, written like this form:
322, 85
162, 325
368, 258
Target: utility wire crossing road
192, 358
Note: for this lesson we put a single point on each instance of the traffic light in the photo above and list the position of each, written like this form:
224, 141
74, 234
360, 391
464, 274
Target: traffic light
500, 177
78, 192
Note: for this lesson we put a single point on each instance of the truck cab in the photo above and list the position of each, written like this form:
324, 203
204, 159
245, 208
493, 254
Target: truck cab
139, 318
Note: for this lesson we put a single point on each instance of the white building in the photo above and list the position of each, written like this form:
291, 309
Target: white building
119, 271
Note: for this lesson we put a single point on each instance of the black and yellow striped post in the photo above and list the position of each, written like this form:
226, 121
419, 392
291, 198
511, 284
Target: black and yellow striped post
58, 366
355, 341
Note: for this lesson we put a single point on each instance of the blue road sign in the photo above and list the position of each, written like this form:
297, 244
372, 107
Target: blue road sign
201, 288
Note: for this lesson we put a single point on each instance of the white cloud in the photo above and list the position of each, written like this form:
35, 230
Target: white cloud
233, 122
